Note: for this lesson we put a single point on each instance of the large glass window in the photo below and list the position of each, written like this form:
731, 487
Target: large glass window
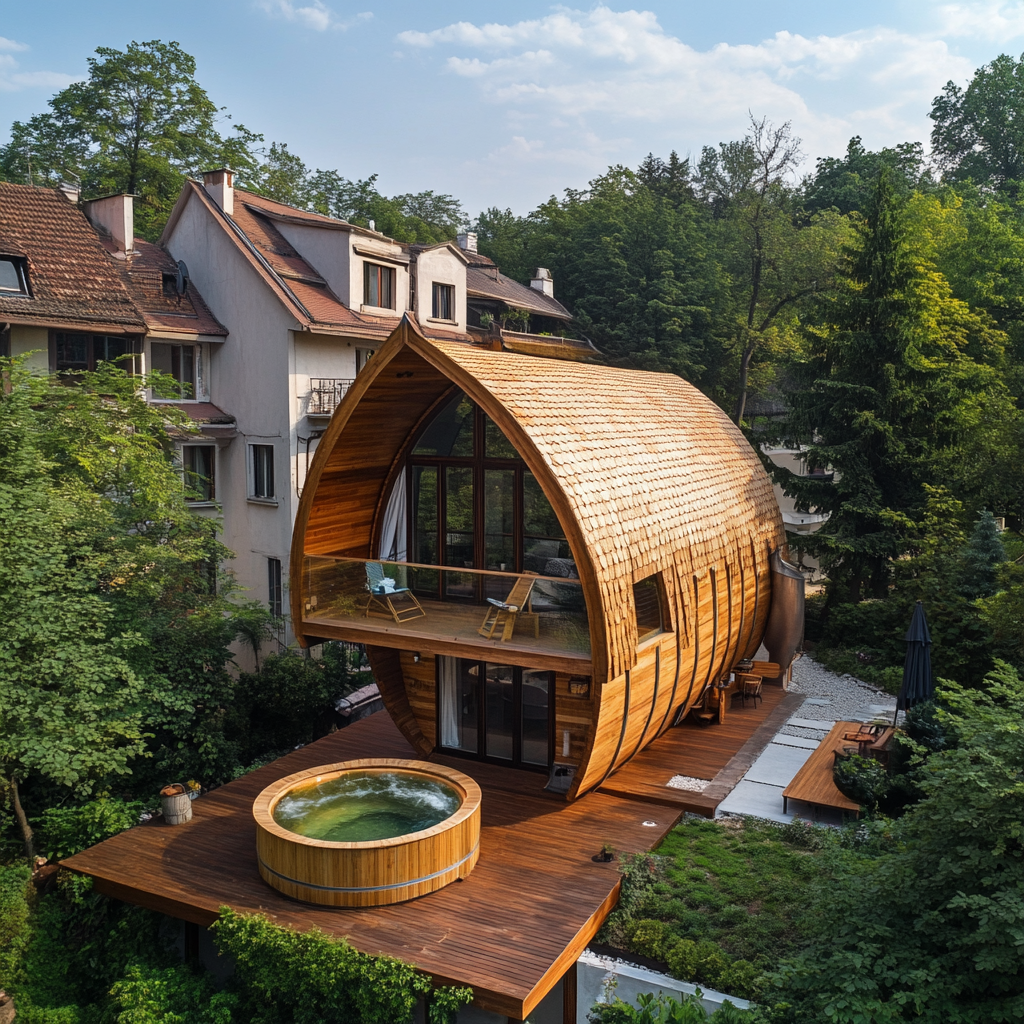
261, 471
476, 505
450, 433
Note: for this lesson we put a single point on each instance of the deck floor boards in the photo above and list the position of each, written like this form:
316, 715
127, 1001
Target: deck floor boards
509, 930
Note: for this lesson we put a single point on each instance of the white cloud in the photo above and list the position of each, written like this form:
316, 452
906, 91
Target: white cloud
582, 79
988, 19
317, 15
13, 80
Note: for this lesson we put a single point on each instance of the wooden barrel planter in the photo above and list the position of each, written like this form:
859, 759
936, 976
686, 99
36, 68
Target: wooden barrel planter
376, 872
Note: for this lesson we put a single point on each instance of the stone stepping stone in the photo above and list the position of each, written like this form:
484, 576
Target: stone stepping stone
756, 799
796, 741
811, 723
777, 765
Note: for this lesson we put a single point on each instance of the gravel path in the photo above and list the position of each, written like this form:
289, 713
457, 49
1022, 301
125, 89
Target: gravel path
832, 698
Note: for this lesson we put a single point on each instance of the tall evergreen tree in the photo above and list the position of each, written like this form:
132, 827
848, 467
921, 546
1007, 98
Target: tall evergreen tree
886, 401
982, 557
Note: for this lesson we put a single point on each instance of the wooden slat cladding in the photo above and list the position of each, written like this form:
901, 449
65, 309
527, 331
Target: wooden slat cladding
646, 475
388, 671
421, 692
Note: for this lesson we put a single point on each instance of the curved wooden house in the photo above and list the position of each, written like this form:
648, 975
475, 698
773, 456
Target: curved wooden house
550, 561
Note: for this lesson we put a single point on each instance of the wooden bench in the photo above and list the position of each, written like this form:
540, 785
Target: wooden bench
813, 784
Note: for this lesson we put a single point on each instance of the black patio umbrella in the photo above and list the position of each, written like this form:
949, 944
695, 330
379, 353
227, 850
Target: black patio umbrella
917, 683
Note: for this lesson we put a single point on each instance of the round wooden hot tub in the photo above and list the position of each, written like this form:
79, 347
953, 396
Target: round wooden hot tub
371, 872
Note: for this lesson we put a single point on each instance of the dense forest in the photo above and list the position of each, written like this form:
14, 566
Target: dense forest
870, 311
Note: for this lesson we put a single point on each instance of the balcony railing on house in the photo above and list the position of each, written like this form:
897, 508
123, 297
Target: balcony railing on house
436, 609
324, 395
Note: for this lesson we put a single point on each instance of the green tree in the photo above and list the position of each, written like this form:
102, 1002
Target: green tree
635, 272
773, 262
139, 123
896, 372
508, 240
930, 931
70, 703
978, 132
981, 558
847, 183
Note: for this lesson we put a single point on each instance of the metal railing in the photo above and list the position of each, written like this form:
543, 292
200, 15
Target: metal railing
325, 393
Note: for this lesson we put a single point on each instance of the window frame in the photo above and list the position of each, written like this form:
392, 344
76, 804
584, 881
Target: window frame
20, 265
275, 587
197, 368
479, 462
189, 474
664, 612
382, 273
255, 474
516, 761
443, 295
131, 342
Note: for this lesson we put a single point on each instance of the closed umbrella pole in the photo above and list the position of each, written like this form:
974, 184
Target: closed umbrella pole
917, 685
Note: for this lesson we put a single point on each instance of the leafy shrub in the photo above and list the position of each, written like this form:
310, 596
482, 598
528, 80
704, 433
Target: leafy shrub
663, 1009
288, 977
15, 912
69, 830
169, 995
862, 779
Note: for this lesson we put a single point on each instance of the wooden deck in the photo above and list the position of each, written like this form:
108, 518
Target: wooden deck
515, 925
813, 784
721, 753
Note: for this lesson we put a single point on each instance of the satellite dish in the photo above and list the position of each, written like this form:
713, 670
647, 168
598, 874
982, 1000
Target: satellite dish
181, 282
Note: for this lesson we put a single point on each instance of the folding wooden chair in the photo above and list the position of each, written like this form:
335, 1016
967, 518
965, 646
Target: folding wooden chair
504, 613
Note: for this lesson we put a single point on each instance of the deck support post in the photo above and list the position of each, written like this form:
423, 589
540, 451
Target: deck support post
191, 942
569, 995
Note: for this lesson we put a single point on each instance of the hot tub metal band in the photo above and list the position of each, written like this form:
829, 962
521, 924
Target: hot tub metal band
370, 888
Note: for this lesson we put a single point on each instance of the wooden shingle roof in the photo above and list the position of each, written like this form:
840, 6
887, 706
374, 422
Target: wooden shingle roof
649, 466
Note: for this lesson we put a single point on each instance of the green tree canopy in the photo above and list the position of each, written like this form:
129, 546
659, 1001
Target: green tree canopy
930, 931
847, 183
978, 132
140, 123
890, 394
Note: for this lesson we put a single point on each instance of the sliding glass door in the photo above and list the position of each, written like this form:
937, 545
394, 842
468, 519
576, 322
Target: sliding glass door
499, 713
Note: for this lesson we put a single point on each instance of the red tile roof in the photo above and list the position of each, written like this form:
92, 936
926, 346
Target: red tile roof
73, 281
185, 314
295, 281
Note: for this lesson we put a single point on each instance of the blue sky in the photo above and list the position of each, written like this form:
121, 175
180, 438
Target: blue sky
504, 104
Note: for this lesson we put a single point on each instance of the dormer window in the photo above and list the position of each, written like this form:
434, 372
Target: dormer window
13, 279
444, 302
170, 286
378, 286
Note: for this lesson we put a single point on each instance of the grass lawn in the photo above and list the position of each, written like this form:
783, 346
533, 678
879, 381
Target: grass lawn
721, 902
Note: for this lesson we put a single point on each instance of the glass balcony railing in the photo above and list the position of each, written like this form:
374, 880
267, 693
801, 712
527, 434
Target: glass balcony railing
544, 615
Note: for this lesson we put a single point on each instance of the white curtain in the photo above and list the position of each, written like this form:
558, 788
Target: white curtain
449, 670
393, 535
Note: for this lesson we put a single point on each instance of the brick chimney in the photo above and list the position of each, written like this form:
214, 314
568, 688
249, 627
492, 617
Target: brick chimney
114, 216
467, 241
543, 282
220, 183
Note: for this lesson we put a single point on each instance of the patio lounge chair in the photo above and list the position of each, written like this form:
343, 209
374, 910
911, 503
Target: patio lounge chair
504, 613
383, 597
